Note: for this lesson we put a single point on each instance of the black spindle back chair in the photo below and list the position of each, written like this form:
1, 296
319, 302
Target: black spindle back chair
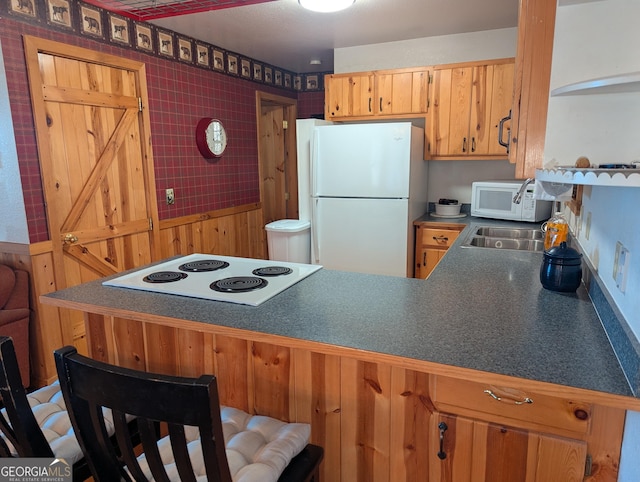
88, 385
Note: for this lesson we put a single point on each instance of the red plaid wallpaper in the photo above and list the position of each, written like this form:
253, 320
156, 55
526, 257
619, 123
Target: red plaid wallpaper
179, 95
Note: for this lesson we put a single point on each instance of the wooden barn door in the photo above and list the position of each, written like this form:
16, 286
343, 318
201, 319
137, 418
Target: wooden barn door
94, 146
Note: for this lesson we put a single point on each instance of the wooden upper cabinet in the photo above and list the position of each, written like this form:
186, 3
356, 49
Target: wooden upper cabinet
380, 93
536, 25
349, 95
500, 106
469, 101
402, 92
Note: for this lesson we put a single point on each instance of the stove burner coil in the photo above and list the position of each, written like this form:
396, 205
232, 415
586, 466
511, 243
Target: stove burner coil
164, 277
272, 271
203, 265
238, 284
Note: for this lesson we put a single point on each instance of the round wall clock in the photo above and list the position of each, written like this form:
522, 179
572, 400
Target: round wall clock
211, 138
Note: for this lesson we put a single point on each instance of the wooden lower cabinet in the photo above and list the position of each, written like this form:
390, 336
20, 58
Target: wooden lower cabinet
432, 243
377, 416
466, 450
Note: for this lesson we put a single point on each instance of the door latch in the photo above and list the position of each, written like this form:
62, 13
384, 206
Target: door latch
70, 238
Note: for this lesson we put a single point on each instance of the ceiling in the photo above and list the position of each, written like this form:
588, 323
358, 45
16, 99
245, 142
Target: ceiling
283, 34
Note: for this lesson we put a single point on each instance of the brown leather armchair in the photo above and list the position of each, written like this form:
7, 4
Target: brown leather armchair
15, 314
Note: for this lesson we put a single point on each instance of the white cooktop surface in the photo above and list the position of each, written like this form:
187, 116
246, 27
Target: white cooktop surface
197, 284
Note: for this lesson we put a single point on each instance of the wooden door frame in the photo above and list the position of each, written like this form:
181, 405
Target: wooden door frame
291, 160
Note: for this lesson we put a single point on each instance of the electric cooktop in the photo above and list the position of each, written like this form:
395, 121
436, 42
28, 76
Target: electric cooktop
212, 277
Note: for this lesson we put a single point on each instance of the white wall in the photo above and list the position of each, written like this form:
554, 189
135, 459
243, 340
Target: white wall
450, 179
594, 40
599, 39
13, 218
444, 49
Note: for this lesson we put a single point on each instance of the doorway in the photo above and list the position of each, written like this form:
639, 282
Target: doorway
277, 157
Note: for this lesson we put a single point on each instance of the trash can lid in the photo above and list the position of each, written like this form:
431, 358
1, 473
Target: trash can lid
288, 225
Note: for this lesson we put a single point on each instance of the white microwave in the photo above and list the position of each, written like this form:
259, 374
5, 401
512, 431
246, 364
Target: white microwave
495, 199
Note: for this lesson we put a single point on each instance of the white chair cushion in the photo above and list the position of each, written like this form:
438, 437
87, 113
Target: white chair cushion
258, 448
49, 409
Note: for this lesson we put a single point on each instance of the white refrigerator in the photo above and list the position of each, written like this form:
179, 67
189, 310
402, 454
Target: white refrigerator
368, 183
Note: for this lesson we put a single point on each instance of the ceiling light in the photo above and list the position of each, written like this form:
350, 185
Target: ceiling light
315, 62
326, 6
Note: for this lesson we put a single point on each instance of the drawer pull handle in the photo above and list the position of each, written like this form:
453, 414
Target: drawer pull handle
443, 428
440, 239
516, 402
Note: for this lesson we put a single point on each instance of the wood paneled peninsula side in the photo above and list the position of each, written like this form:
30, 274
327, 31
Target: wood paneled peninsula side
475, 374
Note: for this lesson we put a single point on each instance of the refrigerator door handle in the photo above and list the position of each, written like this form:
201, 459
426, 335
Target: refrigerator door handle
313, 162
315, 254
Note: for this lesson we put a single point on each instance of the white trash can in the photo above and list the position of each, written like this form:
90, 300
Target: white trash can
289, 240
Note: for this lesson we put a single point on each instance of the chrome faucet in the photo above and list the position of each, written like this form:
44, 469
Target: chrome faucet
518, 197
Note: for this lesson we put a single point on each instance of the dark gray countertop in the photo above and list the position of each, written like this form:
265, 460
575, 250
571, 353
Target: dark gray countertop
482, 309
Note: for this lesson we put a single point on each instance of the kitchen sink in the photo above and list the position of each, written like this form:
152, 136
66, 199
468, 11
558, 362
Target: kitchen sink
509, 233
520, 239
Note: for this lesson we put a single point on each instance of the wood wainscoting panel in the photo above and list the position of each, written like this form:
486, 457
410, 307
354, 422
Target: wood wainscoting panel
317, 401
129, 343
234, 371
366, 399
411, 411
237, 231
161, 348
272, 381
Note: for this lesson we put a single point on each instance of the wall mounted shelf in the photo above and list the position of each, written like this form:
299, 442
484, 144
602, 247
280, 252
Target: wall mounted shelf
615, 84
592, 177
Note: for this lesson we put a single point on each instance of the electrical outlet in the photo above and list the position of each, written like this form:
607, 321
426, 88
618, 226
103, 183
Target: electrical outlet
587, 226
621, 266
170, 196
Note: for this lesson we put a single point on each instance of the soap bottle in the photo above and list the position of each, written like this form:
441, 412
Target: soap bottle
556, 231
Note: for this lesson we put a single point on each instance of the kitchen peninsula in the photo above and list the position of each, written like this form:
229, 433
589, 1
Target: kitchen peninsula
380, 365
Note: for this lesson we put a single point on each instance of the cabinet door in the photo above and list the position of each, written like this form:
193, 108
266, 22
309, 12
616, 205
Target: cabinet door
348, 95
402, 92
491, 99
469, 102
426, 261
454, 102
499, 105
536, 23
466, 450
